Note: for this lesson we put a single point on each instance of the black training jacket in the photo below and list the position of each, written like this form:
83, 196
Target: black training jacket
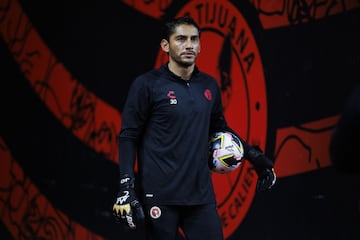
169, 121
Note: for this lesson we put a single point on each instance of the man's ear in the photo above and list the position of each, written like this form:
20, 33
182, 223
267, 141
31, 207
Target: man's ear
164, 45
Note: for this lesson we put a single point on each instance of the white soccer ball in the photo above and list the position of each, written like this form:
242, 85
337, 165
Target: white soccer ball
225, 152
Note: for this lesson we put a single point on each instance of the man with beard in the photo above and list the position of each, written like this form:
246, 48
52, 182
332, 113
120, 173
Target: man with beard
169, 114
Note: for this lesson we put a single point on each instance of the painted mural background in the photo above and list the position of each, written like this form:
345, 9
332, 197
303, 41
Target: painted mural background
285, 68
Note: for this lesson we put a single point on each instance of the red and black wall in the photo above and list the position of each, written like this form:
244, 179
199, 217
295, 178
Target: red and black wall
66, 67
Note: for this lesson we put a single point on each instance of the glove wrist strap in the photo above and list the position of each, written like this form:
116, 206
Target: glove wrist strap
258, 160
126, 182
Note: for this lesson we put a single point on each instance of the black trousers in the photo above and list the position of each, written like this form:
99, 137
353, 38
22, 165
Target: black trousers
199, 222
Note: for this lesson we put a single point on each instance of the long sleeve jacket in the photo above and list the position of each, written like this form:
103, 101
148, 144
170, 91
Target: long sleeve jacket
166, 122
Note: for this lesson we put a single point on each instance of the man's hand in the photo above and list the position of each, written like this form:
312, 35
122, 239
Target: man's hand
263, 167
127, 209
266, 179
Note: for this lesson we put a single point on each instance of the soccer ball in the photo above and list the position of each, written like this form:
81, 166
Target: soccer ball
225, 152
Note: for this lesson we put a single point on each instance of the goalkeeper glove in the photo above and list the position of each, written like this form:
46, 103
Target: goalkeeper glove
263, 167
127, 208
266, 179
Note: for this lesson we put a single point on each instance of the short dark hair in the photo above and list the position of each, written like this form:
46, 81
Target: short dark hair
169, 27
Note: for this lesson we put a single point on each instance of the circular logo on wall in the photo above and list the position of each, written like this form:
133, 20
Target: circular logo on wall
229, 53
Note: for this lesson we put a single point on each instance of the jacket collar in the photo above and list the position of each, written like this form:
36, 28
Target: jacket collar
166, 69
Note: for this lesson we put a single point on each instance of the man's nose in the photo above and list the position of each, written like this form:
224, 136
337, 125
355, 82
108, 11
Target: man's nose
189, 44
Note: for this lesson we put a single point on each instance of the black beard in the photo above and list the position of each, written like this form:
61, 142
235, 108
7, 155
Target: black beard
184, 64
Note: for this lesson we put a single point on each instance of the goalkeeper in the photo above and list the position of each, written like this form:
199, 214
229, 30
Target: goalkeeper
166, 122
